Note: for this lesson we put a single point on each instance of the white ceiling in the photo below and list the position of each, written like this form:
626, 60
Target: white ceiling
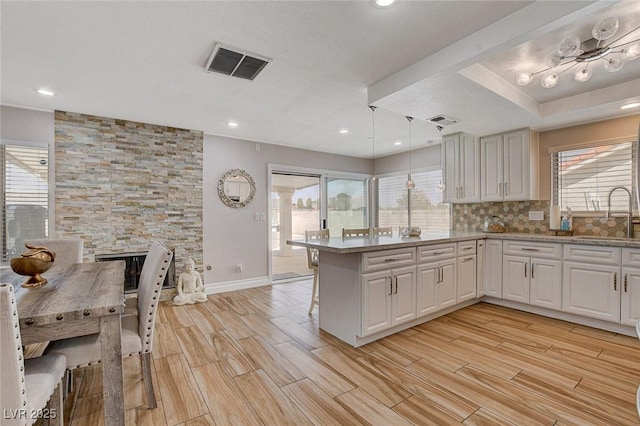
144, 61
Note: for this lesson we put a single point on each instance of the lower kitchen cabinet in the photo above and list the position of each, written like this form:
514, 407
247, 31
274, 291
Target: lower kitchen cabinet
492, 269
466, 278
592, 290
515, 278
436, 286
388, 299
630, 296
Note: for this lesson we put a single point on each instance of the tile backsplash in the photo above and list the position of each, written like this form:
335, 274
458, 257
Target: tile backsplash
515, 215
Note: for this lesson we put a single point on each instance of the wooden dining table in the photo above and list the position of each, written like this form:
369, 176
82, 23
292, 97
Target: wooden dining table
79, 299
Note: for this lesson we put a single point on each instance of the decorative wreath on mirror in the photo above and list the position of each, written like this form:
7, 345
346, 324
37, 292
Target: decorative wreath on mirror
236, 203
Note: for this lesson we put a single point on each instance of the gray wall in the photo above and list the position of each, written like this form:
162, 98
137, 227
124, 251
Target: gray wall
232, 236
28, 125
420, 158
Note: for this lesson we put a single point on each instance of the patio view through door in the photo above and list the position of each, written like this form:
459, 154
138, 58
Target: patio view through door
347, 204
295, 207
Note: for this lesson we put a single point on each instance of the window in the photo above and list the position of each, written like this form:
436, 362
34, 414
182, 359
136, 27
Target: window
25, 197
347, 201
583, 178
422, 206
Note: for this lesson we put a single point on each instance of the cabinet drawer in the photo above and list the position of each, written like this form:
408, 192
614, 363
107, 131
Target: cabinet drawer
593, 254
436, 252
388, 259
532, 249
631, 257
466, 248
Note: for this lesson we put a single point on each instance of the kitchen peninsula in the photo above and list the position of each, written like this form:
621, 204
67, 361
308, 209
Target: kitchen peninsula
374, 286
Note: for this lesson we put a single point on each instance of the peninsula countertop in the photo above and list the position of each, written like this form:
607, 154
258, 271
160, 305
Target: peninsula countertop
383, 242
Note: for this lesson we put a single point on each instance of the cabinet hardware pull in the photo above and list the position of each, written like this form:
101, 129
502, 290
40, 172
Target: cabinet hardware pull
615, 280
438, 252
391, 259
525, 269
506, 188
390, 285
439, 274
529, 249
467, 248
500, 189
466, 259
396, 292
462, 192
532, 265
457, 192
625, 283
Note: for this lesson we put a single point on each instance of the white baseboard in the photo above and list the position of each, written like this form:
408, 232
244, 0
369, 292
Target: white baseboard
236, 285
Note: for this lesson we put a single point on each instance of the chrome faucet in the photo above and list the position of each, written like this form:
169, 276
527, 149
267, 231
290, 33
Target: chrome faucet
629, 213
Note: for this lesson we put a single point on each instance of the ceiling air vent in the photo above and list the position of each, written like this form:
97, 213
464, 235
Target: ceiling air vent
235, 62
442, 120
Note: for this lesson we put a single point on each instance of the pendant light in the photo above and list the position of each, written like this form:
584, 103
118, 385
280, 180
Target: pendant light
441, 186
410, 183
373, 139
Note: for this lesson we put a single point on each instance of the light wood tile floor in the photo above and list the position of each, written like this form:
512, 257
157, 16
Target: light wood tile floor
255, 357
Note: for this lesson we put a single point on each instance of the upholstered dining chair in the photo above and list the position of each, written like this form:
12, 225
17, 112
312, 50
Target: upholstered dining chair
383, 231
137, 330
312, 262
28, 387
355, 232
67, 250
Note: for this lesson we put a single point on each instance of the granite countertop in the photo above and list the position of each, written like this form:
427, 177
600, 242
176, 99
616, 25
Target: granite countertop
383, 242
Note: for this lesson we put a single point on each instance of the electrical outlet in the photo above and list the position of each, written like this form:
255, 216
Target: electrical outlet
261, 215
256, 216
536, 215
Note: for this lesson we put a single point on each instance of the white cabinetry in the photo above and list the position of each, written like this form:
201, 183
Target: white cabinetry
389, 290
480, 259
591, 281
466, 271
509, 166
492, 268
461, 168
531, 274
436, 278
630, 296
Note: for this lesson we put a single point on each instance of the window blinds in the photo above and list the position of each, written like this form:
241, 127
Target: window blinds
25, 196
583, 178
423, 203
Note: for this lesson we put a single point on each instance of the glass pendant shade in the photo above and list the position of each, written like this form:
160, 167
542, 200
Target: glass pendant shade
632, 52
605, 29
410, 183
552, 60
441, 187
613, 64
549, 81
569, 46
583, 74
524, 78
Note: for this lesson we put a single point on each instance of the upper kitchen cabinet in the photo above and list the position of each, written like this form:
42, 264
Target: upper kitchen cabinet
461, 168
509, 166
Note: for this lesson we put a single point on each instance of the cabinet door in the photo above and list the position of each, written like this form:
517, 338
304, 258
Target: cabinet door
492, 280
426, 299
450, 167
591, 290
515, 278
491, 154
630, 304
466, 288
376, 302
545, 284
403, 301
446, 288
516, 165
469, 155
480, 269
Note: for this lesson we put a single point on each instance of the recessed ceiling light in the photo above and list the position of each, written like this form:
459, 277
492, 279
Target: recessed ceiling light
45, 92
630, 105
385, 3
344, 131
397, 143
232, 124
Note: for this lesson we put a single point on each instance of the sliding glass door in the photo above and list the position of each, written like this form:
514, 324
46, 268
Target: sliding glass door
347, 204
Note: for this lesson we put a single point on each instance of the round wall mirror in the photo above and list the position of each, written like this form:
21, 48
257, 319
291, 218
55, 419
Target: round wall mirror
236, 188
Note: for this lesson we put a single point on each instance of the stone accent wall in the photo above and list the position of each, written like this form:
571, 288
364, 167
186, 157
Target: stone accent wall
120, 184
515, 214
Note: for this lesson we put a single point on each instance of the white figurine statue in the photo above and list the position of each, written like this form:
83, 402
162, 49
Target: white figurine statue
190, 287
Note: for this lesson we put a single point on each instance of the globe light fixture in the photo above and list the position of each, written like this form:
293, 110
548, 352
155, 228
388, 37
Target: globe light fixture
581, 56
410, 183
